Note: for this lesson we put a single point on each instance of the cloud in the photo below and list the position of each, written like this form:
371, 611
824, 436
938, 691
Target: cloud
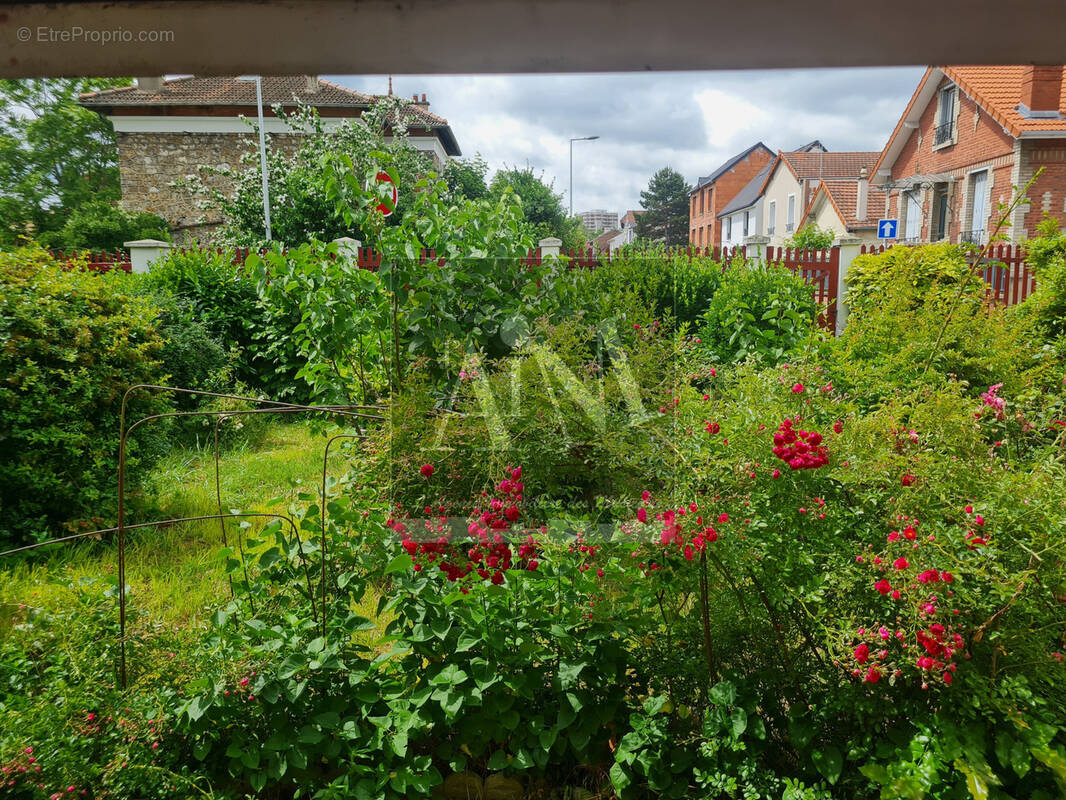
690, 121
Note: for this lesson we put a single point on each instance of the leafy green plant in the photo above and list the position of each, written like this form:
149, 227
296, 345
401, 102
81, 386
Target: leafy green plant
765, 311
76, 342
100, 225
811, 237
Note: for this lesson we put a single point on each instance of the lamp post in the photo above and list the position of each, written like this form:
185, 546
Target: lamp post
262, 153
577, 139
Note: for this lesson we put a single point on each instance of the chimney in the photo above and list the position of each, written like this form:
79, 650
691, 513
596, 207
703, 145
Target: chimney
862, 195
1041, 88
150, 84
414, 98
424, 101
311, 85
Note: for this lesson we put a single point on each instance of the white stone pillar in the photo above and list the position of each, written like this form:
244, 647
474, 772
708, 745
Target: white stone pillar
145, 252
755, 249
550, 247
348, 247
849, 249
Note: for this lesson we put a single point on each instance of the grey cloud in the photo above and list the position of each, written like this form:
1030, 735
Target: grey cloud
650, 120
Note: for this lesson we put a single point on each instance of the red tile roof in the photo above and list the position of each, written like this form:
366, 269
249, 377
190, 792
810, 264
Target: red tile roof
998, 89
844, 195
631, 217
830, 165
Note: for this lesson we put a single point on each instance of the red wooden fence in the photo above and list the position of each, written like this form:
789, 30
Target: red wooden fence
94, 262
1010, 280
820, 269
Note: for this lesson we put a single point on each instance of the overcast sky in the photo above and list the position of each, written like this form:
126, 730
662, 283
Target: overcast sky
691, 121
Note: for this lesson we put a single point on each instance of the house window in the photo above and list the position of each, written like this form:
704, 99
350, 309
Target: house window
693, 205
747, 223
940, 213
701, 203
772, 218
979, 193
944, 133
790, 217
729, 228
912, 216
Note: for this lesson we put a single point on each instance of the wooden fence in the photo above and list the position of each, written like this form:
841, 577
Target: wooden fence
1010, 279
94, 262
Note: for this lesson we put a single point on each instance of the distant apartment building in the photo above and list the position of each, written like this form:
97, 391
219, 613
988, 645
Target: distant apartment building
599, 220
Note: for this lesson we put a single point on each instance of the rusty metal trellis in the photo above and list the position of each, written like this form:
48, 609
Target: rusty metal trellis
275, 407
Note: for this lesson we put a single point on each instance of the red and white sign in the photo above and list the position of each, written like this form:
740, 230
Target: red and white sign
383, 177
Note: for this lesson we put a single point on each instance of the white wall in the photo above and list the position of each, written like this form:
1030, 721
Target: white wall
755, 225
782, 184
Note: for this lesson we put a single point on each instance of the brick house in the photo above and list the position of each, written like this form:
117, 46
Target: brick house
167, 129
714, 191
968, 135
795, 177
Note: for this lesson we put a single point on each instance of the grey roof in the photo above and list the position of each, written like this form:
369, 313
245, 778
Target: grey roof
286, 90
749, 194
810, 147
718, 173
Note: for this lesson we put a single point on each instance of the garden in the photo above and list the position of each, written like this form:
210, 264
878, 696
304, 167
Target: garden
478, 526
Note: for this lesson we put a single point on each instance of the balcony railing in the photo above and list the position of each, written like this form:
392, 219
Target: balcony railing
973, 237
942, 133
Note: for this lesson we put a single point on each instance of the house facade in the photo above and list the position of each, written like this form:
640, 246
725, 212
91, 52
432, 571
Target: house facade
167, 129
628, 229
848, 209
743, 215
713, 192
968, 135
794, 179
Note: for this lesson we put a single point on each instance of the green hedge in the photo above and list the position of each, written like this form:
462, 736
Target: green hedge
73, 342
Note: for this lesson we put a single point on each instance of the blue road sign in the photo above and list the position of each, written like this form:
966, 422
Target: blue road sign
886, 228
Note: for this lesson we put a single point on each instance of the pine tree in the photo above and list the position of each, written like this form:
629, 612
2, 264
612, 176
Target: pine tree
665, 203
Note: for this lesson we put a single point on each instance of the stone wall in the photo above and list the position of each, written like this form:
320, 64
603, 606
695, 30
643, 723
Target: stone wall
150, 164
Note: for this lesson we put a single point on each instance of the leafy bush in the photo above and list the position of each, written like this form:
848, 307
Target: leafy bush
666, 282
811, 237
75, 342
207, 288
920, 316
1047, 255
766, 311
100, 225
906, 277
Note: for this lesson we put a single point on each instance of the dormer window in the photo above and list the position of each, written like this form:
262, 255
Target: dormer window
944, 132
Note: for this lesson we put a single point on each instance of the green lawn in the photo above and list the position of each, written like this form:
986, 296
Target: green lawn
175, 572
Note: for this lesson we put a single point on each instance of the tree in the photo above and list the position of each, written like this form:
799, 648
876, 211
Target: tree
465, 177
541, 206
302, 206
665, 204
54, 154
100, 225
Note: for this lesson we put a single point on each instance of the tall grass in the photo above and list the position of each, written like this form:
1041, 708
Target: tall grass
175, 573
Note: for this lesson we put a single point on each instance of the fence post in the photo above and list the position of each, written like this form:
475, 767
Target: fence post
348, 248
550, 247
755, 249
145, 252
849, 247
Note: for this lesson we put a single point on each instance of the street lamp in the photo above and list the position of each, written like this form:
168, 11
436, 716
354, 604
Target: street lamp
262, 153
577, 139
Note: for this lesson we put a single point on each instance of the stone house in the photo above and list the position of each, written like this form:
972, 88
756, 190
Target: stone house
712, 193
167, 129
968, 136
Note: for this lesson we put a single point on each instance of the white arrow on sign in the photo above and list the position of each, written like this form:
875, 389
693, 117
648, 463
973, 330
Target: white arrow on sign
888, 228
